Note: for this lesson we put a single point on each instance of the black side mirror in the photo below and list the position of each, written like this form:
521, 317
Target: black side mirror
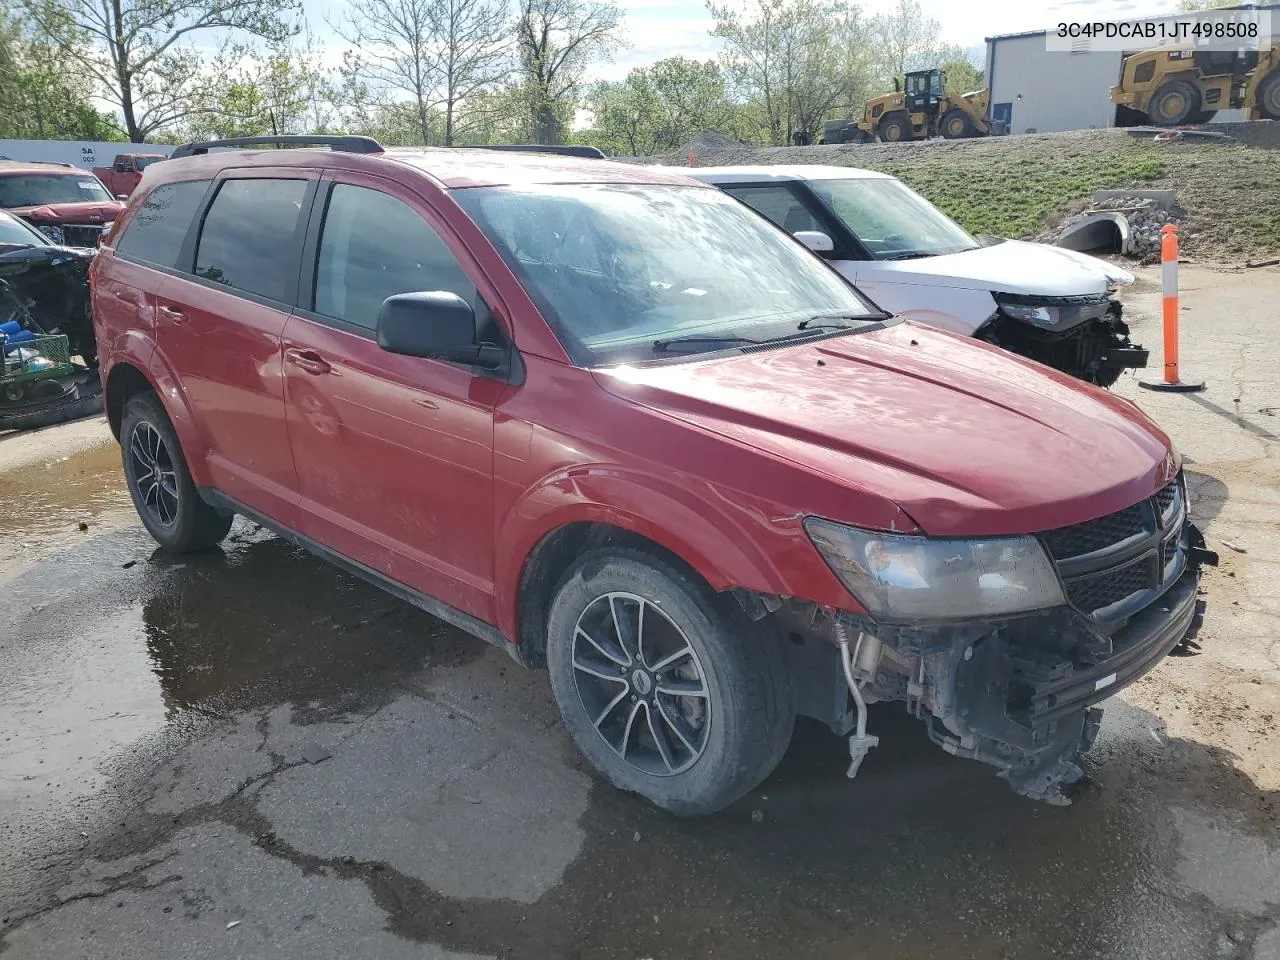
437, 324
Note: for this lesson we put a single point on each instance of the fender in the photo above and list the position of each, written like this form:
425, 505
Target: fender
710, 538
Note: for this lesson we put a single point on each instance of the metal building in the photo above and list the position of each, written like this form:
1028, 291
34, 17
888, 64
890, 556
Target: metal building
1036, 91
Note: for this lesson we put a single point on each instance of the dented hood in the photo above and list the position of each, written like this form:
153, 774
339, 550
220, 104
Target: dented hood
967, 439
1012, 266
96, 211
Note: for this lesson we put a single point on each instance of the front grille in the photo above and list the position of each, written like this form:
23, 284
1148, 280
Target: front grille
81, 235
1115, 558
1092, 535
1111, 586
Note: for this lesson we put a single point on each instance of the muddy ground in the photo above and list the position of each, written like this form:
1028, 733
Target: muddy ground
250, 754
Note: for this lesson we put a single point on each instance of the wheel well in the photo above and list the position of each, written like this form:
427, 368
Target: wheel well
124, 382
548, 563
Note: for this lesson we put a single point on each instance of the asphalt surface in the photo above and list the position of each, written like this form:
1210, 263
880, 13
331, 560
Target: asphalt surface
249, 754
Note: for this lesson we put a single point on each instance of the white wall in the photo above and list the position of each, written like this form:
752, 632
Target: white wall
82, 153
1060, 91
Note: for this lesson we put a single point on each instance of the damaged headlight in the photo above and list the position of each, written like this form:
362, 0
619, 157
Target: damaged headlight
52, 231
1042, 315
909, 578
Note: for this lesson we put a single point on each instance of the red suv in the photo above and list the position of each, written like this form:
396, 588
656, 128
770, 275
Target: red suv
611, 420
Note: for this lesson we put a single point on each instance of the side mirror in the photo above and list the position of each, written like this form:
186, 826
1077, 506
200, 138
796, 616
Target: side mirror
439, 325
815, 240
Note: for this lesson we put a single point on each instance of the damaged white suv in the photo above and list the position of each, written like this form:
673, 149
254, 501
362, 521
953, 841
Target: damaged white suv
1051, 305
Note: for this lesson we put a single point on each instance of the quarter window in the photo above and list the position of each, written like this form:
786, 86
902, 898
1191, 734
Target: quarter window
374, 246
156, 232
247, 241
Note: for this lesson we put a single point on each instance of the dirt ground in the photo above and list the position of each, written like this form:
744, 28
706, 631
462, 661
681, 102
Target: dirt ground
250, 754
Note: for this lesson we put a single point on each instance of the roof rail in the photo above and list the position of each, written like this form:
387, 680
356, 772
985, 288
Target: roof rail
564, 149
343, 144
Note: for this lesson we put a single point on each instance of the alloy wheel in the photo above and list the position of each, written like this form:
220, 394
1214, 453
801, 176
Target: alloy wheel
641, 683
154, 474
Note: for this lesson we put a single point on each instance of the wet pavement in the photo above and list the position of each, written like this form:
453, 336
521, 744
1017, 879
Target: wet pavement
248, 753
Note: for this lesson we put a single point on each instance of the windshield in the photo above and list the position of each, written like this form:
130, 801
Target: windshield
15, 233
36, 189
620, 271
892, 221
144, 162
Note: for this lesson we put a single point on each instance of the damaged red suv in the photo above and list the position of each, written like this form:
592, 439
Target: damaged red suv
610, 420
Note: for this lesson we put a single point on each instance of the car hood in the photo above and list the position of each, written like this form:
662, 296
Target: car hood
1012, 266
968, 440
96, 211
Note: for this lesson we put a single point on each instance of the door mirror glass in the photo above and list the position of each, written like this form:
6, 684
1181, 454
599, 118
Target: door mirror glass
815, 240
435, 324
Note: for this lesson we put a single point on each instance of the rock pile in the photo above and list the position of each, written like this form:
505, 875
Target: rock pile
1145, 217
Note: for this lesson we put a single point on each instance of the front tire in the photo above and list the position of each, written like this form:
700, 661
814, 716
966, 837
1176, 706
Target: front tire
160, 484
957, 125
668, 689
1174, 104
1269, 96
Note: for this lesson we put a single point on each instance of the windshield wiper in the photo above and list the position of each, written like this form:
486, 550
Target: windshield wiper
675, 344
913, 255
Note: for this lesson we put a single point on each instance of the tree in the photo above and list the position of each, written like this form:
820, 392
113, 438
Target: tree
557, 40
472, 53
752, 36
393, 48
138, 52
905, 39
962, 75
660, 107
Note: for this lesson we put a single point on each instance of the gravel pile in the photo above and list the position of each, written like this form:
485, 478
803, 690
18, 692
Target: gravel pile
1146, 220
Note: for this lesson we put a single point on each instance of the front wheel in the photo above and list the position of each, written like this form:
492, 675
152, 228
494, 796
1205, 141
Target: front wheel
1269, 96
665, 687
1174, 104
160, 484
957, 125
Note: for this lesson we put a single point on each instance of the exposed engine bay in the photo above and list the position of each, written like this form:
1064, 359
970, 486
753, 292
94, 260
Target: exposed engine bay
1083, 336
1020, 692
44, 297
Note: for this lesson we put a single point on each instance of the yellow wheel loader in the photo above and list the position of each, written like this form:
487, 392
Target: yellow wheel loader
922, 110
1171, 86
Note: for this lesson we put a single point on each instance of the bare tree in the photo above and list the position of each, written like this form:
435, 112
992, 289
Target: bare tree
752, 33
136, 50
472, 52
905, 38
557, 40
395, 49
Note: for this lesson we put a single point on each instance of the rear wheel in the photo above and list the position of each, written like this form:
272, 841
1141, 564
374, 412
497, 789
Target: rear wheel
160, 484
1269, 96
1174, 103
666, 688
957, 124
895, 127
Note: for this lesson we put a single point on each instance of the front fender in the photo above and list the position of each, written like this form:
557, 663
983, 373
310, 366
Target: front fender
722, 541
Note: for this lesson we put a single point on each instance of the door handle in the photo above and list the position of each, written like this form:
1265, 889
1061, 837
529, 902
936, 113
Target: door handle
308, 360
173, 314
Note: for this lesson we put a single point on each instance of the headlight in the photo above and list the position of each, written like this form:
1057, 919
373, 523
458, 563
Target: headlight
1039, 314
908, 578
52, 231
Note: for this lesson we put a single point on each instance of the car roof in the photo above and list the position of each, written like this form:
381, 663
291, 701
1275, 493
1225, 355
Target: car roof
451, 168
783, 171
40, 166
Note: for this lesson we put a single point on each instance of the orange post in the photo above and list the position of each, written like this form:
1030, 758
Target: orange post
1169, 260
691, 156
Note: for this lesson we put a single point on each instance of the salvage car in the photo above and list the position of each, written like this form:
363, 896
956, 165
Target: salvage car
610, 420
48, 352
1052, 305
68, 205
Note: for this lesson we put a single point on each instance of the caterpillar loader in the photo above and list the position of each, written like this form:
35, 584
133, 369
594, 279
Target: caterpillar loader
1171, 86
922, 110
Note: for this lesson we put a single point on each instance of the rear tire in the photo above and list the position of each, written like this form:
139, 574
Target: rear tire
155, 470
957, 124
1269, 96
1174, 104
618, 615
895, 128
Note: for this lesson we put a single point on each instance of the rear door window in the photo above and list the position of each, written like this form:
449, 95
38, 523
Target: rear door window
373, 246
156, 232
780, 204
249, 237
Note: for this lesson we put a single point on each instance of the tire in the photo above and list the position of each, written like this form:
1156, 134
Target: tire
170, 507
1173, 104
721, 742
80, 401
956, 124
1269, 96
895, 128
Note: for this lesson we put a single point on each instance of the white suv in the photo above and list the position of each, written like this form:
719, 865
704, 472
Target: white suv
1049, 304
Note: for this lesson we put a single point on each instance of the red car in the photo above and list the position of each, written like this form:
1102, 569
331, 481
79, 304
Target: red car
612, 421
68, 205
